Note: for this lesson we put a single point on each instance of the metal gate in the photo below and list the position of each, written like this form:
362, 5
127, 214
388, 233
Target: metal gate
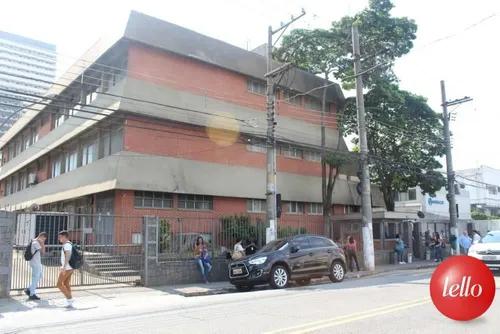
111, 247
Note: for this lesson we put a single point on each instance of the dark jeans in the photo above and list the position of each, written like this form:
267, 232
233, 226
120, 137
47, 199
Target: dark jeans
399, 254
352, 257
438, 253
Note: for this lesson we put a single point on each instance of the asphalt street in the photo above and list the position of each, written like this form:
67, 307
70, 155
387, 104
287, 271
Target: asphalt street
396, 302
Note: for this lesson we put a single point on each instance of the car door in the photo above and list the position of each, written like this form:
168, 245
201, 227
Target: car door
300, 260
321, 250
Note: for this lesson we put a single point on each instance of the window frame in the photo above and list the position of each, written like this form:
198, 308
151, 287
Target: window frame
251, 205
198, 202
166, 199
315, 212
296, 205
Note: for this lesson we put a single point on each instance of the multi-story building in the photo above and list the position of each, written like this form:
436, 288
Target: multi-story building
483, 184
26, 66
167, 121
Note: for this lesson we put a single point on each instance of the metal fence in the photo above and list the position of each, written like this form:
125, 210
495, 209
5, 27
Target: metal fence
111, 247
177, 236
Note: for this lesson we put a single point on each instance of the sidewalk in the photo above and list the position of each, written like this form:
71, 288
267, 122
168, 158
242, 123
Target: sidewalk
193, 290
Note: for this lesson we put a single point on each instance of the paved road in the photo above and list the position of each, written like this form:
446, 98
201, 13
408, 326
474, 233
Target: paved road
396, 302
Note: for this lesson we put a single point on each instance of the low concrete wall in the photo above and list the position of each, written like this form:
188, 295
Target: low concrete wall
7, 230
182, 272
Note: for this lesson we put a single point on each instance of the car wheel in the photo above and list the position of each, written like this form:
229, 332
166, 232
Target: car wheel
303, 282
279, 277
244, 288
337, 272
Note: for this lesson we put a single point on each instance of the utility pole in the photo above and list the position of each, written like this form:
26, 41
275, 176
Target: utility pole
366, 205
271, 211
450, 173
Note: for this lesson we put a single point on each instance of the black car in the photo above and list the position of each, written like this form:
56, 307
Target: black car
298, 259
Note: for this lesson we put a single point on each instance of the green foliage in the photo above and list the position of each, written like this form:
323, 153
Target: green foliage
383, 38
165, 235
401, 128
477, 215
287, 231
240, 226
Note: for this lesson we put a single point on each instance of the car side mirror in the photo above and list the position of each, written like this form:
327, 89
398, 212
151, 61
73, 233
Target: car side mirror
294, 249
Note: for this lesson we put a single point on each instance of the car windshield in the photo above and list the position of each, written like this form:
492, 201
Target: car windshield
491, 238
274, 245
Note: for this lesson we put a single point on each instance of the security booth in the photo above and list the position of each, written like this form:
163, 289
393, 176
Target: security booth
386, 226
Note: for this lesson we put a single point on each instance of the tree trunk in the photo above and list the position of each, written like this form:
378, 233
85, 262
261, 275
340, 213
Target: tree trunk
388, 197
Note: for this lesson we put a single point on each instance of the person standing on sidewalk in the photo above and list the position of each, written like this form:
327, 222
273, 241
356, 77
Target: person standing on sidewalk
465, 242
37, 250
65, 272
476, 237
399, 249
438, 248
351, 250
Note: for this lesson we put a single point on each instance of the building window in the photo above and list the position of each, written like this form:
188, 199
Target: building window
291, 97
376, 231
257, 147
256, 205
26, 142
23, 181
412, 194
59, 119
8, 186
293, 152
71, 161
313, 103
157, 200
89, 153
390, 230
56, 167
296, 207
195, 202
315, 209
312, 156
256, 87
492, 190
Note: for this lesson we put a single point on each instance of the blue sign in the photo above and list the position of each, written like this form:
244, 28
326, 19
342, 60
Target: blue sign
434, 201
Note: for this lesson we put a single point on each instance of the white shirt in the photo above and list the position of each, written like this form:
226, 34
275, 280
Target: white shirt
476, 238
67, 247
36, 260
238, 247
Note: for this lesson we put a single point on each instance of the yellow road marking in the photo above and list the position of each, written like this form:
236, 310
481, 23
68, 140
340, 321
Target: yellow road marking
321, 324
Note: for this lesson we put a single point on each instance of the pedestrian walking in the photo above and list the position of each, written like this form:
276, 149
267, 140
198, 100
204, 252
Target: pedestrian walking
476, 237
352, 249
438, 247
34, 252
465, 242
66, 271
399, 249
202, 258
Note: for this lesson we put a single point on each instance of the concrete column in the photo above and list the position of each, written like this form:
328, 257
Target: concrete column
7, 231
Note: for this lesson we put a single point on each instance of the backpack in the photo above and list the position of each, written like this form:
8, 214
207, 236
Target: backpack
27, 252
75, 261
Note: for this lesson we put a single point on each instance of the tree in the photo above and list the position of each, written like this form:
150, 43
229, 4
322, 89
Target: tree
404, 138
382, 37
329, 53
314, 51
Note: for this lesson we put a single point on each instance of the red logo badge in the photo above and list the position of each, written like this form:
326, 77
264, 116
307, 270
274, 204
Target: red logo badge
462, 288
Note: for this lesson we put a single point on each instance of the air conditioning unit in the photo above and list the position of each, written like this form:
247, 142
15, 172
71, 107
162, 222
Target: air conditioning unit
31, 179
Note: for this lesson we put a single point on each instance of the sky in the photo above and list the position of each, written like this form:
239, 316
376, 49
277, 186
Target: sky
457, 41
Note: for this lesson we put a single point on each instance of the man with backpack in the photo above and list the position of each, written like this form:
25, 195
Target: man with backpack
33, 253
66, 270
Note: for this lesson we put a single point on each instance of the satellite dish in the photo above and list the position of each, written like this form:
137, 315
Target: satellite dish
420, 214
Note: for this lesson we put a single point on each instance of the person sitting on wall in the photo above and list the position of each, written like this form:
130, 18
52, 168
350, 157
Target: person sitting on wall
238, 251
202, 258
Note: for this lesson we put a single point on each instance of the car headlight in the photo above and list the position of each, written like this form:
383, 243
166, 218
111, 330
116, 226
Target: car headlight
259, 260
